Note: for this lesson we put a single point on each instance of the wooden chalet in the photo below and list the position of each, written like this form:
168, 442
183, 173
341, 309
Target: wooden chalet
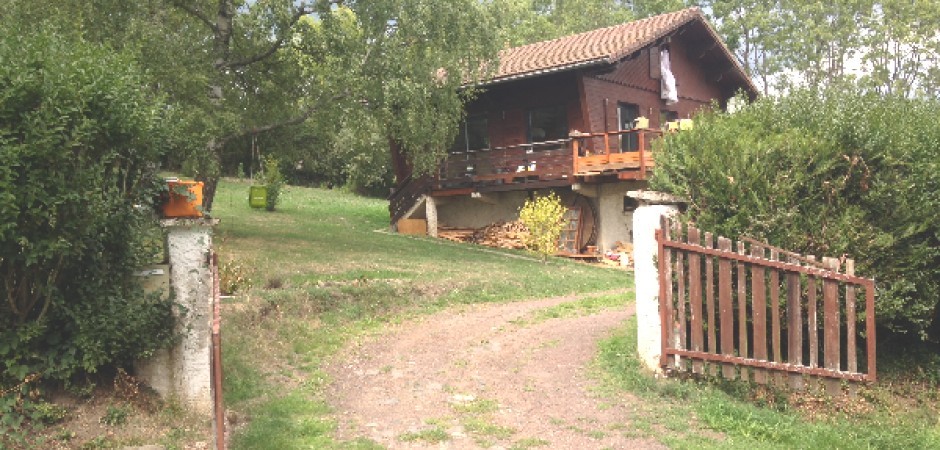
577, 115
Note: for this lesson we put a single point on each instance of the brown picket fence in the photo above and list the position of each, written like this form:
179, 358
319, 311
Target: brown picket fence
752, 311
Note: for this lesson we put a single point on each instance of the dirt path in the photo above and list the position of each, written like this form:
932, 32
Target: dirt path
479, 377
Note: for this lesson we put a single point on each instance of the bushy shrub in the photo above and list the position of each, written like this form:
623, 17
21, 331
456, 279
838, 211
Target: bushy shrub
542, 215
78, 138
826, 173
273, 181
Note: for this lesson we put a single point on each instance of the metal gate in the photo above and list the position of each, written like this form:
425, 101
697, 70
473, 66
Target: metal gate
753, 312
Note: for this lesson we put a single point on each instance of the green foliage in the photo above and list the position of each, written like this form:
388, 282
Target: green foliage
234, 277
543, 215
888, 46
115, 415
273, 182
78, 143
825, 173
49, 413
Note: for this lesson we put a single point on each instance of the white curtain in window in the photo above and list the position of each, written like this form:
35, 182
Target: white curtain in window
667, 80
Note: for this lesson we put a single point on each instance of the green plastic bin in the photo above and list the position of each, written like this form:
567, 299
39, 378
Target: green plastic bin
257, 196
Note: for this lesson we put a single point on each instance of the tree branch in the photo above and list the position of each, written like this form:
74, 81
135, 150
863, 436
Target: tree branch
296, 120
300, 12
192, 11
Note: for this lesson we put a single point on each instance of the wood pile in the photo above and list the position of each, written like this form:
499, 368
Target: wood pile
621, 255
455, 234
500, 235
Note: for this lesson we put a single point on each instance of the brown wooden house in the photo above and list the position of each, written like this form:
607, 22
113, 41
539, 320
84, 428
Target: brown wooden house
562, 115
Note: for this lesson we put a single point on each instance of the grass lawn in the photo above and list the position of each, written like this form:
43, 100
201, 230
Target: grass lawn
325, 271
901, 411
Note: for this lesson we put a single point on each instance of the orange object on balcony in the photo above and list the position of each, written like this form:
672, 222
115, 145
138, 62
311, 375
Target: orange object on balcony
184, 199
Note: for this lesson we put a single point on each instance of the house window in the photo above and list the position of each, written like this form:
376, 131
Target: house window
626, 116
548, 124
666, 116
472, 135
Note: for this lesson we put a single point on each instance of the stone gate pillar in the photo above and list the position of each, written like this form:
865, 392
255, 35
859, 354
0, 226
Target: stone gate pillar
651, 207
184, 370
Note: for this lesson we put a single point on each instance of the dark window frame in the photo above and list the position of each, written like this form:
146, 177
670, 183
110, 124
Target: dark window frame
464, 141
628, 142
558, 132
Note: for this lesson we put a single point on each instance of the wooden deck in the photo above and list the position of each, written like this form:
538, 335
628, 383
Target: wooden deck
547, 164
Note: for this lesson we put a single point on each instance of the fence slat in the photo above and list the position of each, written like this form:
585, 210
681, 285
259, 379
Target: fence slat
710, 303
725, 307
774, 301
680, 300
761, 289
759, 313
666, 303
850, 344
811, 326
794, 325
831, 326
870, 331
742, 311
695, 298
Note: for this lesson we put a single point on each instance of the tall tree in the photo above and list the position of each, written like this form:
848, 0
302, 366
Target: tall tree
527, 21
902, 48
752, 29
236, 69
401, 60
889, 46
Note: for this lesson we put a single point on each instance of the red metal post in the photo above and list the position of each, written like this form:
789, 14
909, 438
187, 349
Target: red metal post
217, 355
665, 279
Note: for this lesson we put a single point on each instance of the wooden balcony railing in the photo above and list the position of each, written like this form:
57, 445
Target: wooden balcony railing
626, 151
524, 163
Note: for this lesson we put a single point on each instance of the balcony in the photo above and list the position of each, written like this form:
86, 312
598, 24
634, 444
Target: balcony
624, 154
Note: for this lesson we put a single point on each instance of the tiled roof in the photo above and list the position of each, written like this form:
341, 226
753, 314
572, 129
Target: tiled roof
605, 45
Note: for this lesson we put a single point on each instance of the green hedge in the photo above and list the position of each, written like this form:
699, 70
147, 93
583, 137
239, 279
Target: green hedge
826, 173
78, 138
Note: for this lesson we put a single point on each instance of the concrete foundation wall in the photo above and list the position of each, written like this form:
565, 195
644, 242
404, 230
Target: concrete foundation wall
464, 211
614, 224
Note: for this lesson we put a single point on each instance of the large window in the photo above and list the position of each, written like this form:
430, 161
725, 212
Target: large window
472, 135
548, 124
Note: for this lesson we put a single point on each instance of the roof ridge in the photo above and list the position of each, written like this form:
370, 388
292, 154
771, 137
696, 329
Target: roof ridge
635, 22
602, 46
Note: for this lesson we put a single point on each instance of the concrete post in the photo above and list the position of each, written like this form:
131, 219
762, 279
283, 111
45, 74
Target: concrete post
184, 371
646, 220
430, 213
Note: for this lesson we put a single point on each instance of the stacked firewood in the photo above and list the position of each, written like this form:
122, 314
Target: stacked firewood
456, 234
499, 234
502, 235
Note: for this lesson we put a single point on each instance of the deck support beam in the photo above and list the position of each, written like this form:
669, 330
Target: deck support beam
430, 213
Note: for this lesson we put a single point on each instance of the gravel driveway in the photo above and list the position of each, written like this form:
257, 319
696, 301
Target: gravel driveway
484, 376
